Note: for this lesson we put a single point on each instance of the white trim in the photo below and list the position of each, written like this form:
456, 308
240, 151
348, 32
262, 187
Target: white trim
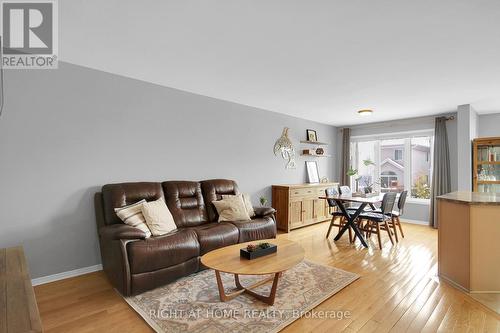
390, 161
392, 135
403, 219
485, 292
418, 201
65, 275
453, 283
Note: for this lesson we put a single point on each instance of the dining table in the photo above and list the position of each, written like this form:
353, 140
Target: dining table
363, 201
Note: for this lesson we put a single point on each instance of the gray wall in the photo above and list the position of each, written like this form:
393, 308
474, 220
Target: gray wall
489, 125
66, 132
467, 130
414, 211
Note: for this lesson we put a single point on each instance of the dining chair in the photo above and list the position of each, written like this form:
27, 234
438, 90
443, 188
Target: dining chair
345, 190
396, 214
377, 221
395, 221
330, 192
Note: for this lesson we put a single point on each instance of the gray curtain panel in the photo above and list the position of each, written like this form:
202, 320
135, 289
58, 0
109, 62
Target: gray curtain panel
441, 183
346, 154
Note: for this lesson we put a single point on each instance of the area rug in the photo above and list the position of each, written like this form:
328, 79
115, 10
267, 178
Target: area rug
192, 304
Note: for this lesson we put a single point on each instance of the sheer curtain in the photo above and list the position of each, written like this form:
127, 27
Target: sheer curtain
346, 156
441, 183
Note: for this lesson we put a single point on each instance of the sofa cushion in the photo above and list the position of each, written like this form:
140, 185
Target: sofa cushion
246, 200
231, 209
163, 251
255, 229
119, 195
213, 190
212, 236
185, 202
158, 218
132, 215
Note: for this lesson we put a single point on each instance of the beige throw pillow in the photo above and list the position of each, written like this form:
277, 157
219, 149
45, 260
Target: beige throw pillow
132, 215
158, 218
246, 200
231, 209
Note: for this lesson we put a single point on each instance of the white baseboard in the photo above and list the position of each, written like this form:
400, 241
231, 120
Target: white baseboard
414, 221
65, 275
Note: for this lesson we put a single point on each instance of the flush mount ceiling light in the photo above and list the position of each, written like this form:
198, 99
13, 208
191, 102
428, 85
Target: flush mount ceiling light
365, 112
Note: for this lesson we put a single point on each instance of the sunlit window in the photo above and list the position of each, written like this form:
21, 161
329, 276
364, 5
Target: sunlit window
392, 164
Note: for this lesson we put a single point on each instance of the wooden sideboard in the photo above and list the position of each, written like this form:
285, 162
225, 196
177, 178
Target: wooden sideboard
18, 308
297, 205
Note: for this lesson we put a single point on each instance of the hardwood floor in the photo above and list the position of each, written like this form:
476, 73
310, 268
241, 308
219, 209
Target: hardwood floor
398, 292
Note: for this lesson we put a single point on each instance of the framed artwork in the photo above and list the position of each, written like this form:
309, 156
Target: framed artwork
312, 172
311, 135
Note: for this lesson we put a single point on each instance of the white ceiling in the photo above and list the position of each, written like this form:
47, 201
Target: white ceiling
318, 60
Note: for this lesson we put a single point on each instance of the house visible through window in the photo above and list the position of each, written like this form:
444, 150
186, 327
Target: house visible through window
393, 164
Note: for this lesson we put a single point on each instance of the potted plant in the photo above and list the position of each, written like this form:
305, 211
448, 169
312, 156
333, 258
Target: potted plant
263, 201
369, 186
354, 173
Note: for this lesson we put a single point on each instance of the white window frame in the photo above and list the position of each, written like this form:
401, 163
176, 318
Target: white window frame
407, 136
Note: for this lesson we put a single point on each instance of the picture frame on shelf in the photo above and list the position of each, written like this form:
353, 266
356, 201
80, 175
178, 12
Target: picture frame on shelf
312, 172
311, 135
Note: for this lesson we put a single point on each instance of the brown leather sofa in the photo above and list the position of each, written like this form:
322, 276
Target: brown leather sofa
135, 263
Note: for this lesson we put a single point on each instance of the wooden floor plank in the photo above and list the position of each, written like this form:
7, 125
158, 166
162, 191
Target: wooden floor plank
398, 290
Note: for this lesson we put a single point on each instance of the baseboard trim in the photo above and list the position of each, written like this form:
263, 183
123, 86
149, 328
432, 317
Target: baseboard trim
414, 221
65, 275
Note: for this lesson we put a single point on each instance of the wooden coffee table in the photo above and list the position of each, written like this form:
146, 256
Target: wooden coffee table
228, 260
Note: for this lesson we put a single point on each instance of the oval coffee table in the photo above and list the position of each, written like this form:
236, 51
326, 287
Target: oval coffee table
228, 260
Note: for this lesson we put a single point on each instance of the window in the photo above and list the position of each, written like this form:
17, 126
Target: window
398, 155
393, 164
365, 170
388, 178
421, 167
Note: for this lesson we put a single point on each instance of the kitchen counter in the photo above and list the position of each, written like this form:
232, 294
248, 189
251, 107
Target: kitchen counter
472, 198
468, 246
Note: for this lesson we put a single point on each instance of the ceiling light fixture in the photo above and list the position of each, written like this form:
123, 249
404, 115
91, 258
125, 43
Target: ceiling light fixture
365, 112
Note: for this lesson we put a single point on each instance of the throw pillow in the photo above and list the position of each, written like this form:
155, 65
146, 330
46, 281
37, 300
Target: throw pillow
158, 218
246, 199
231, 209
132, 215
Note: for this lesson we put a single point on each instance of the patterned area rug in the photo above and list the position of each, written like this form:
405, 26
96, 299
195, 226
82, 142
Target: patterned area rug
192, 304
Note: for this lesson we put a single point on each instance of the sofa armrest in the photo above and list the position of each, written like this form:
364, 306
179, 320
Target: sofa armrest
121, 231
264, 211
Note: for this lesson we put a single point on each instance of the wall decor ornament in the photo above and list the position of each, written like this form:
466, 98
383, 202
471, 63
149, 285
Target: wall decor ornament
311, 135
312, 172
284, 146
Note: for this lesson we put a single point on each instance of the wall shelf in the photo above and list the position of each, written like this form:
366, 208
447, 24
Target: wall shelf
316, 155
488, 181
317, 143
488, 162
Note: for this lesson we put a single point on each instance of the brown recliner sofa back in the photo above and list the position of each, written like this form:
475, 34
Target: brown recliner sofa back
135, 264
185, 201
213, 190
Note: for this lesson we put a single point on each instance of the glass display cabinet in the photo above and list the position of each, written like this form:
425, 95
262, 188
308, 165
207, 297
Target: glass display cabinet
486, 164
